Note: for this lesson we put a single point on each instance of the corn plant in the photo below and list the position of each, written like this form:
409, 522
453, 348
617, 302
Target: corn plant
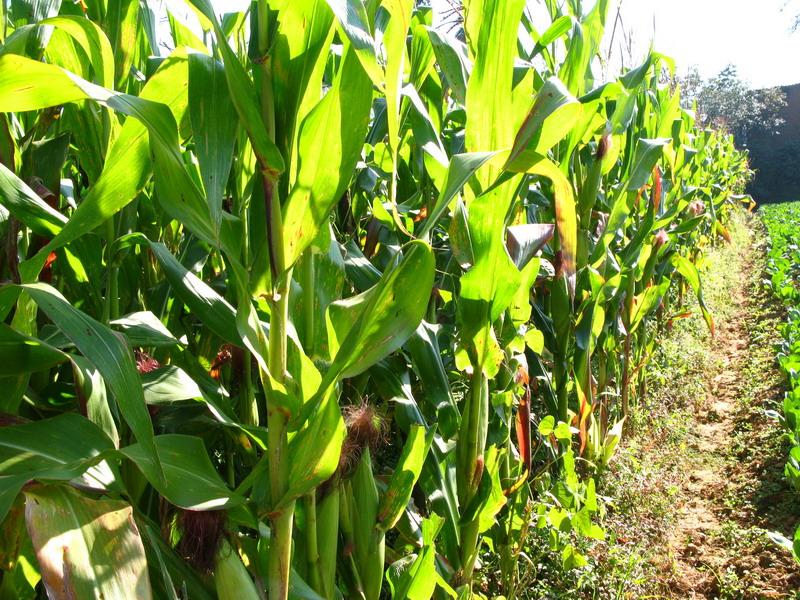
323, 299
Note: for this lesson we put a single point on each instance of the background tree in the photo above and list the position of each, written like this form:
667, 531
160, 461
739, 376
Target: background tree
729, 102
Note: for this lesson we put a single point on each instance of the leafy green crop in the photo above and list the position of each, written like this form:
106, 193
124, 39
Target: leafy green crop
325, 301
783, 267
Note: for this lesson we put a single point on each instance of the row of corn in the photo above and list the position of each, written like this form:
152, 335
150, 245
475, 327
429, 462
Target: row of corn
326, 298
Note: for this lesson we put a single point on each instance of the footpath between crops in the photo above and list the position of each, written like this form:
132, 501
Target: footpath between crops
698, 486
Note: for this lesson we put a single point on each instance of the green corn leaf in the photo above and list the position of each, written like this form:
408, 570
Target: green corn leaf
387, 315
566, 218
214, 131
211, 308
20, 353
315, 451
394, 41
325, 273
646, 302
144, 329
329, 146
35, 11
355, 22
94, 43
453, 59
112, 356
182, 35
564, 208
191, 481
53, 85
557, 29
409, 466
169, 384
91, 389
422, 59
58, 448
62, 448
425, 131
45, 161
488, 288
379, 321
300, 590
95, 539
26, 206
461, 168
648, 153
393, 385
128, 166
414, 577
298, 58
426, 356
633, 79
243, 95
550, 119
689, 271
489, 98
122, 21
489, 498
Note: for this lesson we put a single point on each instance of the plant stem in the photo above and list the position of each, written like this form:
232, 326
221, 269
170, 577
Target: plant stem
471, 468
312, 551
111, 304
278, 446
282, 519
248, 408
310, 499
309, 310
265, 69
627, 315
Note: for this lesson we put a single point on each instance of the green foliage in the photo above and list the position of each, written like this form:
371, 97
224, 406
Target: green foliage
232, 274
728, 102
783, 267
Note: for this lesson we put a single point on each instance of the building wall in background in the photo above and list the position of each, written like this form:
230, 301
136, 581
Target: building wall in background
776, 156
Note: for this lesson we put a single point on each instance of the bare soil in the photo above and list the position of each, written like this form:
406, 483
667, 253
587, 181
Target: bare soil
733, 490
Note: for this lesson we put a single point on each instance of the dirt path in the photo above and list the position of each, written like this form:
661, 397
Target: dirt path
694, 541
733, 490
696, 490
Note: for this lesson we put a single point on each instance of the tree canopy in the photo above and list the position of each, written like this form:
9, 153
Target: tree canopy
727, 101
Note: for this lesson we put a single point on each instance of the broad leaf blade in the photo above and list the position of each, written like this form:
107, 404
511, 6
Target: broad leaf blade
316, 450
214, 131
86, 548
330, 143
23, 354
405, 475
112, 356
191, 481
390, 315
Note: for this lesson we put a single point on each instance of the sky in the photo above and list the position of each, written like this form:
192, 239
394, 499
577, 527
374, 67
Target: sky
753, 35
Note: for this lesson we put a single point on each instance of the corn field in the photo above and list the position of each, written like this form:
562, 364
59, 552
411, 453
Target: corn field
323, 301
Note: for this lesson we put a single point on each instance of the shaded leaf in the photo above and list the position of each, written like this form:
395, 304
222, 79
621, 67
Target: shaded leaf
191, 482
86, 548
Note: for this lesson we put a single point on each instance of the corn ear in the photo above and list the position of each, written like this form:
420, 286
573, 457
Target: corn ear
231, 579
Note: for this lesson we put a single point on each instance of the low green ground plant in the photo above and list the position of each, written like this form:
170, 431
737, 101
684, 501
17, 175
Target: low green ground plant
783, 227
